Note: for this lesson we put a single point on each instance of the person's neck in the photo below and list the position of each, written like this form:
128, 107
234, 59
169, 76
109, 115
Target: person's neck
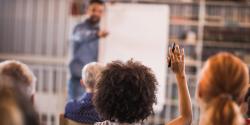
89, 91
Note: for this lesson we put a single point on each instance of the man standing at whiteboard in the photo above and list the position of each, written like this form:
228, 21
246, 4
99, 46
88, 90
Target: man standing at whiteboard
85, 42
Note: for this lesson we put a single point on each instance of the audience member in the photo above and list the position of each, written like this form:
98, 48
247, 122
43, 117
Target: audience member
223, 84
83, 110
15, 109
85, 42
125, 93
10, 113
18, 75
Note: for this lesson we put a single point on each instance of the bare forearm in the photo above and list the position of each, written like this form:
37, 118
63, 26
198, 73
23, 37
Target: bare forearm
184, 97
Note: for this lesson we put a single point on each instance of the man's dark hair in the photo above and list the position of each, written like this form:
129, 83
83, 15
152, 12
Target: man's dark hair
125, 92
96, 1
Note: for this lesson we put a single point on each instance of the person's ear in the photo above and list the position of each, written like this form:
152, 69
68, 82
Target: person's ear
82, 83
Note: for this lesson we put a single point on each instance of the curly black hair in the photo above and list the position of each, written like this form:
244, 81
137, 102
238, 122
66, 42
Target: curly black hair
125, 92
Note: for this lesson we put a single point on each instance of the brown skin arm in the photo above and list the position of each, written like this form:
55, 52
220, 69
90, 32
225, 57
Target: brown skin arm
178, 67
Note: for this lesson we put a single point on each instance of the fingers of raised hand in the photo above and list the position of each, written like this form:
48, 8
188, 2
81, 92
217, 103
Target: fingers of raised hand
177, 53
169, 51
177, 50
182, 54
171, 55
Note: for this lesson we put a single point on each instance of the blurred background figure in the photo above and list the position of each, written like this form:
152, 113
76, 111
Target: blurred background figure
80, 7
221, 90
17, 91
82, 110
10, 112
19, 76
85, 45
15, 108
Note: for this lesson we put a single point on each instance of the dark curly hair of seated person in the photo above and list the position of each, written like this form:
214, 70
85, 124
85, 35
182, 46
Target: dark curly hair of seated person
125, 93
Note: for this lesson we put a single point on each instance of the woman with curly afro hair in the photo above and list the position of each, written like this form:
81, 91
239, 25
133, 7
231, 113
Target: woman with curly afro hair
125, 92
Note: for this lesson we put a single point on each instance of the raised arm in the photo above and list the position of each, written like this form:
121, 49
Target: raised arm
185, 107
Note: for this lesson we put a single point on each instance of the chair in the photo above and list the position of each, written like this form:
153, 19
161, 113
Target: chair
65, 121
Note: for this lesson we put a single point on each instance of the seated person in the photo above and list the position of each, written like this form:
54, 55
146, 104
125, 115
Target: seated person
221, 90
10, 112
83, 110
125, 93
20, 76
15, 108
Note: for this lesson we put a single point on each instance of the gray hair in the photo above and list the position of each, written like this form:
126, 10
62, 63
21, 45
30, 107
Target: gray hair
91, 73
18, 74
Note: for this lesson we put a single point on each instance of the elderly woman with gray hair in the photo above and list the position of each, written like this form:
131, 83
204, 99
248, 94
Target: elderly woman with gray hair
82, 110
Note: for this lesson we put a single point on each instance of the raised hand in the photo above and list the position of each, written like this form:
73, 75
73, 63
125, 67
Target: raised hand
103, 33
178, 67
177, 60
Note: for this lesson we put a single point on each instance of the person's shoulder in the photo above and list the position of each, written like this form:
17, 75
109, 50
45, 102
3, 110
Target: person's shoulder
81, 24
70, 105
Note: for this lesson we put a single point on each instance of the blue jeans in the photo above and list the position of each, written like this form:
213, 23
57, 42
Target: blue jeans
75, 90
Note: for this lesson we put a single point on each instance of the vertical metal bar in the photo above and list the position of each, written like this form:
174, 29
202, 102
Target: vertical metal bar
55, 34
34, 27
18, 26
5, 13
50, 28
45, 28
50, 81
59, 85
29, 28
202, 14
10, 26
66, 25
61, 27
39, 27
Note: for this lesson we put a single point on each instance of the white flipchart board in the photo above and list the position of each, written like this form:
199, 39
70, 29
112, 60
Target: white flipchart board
138, 31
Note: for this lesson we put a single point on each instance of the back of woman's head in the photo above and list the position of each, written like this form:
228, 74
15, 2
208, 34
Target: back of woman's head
125, 92
221, 89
